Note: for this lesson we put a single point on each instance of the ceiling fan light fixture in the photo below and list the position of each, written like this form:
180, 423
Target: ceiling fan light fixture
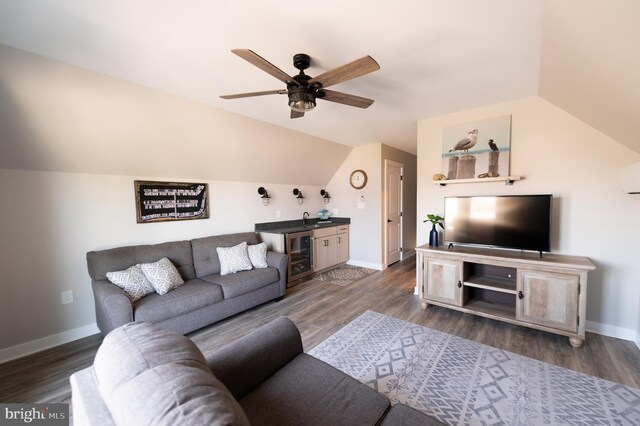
301, 101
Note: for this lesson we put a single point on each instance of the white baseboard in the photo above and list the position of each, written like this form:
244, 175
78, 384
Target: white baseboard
23, 349
377, 266
612, 331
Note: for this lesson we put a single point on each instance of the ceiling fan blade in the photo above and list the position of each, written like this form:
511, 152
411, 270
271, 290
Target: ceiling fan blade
346, 72
248, 95
296, 114
344, 98
266, 66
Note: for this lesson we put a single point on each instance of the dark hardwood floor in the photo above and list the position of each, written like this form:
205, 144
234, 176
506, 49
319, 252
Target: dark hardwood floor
319, 310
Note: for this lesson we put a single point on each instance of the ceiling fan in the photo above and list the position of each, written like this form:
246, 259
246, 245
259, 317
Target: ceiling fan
303, 90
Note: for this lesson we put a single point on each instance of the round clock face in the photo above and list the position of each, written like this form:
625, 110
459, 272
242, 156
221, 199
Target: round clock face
358, 179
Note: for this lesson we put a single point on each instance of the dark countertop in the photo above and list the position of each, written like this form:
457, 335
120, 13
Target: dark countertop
290, 226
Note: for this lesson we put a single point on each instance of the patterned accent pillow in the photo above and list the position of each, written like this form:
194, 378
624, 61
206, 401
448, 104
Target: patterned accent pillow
258, 255
163, 275
132, 281
234, 259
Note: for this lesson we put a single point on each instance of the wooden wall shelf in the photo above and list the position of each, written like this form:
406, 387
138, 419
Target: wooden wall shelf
508, 180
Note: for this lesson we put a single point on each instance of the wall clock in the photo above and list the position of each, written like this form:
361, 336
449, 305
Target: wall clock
358, 179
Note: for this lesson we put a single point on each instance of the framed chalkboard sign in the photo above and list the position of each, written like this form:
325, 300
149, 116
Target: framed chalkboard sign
167, 201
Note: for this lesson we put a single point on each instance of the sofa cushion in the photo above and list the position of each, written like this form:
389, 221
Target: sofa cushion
162, 275
307, 388
243, 282
133, 281
234, 259
148, 375
258, 255
194, 294
403, 415
117, 259
205, 257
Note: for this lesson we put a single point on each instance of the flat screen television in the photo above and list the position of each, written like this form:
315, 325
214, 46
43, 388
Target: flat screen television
509, 221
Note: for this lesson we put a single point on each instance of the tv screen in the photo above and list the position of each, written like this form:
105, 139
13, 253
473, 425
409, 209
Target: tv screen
510, 221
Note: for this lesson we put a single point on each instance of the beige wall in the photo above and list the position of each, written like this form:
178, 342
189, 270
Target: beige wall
589, 64
592, 216
59, 117
72, 141
367, 220
51, 219
365, 237
409, 161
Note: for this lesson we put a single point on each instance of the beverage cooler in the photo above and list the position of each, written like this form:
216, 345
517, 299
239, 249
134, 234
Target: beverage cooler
299, 248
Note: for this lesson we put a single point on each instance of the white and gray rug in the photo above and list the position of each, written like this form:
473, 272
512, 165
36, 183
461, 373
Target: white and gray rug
462, 382
344, 275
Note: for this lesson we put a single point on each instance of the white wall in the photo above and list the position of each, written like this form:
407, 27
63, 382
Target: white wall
51, 219
560, 155
364, 233
59, 117
589, 64
367, 228
409, 162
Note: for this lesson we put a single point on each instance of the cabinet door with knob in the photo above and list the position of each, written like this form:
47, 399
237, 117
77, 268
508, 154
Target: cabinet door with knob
549, 299
325, 253
443, 281
343, 247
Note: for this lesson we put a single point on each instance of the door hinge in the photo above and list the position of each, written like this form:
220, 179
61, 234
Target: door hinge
579, 288
578, 321
400, 248
401, 177
400, 214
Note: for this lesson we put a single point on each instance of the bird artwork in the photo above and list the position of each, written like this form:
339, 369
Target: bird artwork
467, 143
493, 145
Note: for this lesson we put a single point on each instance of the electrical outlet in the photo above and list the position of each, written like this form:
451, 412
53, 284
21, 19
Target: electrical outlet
67, 297
278, 213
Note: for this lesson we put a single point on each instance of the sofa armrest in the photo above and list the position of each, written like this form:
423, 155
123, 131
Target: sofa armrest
88, 406
279, 261
113, 307
246, 363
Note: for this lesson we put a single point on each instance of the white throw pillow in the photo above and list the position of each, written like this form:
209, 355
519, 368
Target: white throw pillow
163, 275
258, 255
132, 281
234, 259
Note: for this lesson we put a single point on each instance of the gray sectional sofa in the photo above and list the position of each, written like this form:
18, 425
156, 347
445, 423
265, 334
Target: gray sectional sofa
206, 296
143, 374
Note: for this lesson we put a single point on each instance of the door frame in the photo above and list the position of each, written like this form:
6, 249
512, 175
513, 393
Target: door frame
385, 210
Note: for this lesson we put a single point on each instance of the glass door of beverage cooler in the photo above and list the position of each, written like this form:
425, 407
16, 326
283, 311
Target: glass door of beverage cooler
299, 250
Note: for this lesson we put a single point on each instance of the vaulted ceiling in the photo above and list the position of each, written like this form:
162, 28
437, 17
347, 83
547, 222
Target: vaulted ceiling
436, 57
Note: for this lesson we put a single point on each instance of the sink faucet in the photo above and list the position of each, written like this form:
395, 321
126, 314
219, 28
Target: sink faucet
305, 216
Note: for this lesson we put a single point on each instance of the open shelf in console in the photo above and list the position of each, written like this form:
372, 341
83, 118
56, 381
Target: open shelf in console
490, 289
490, 277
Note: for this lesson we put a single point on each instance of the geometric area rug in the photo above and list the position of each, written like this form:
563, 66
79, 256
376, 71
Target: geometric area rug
461, 382
344, 275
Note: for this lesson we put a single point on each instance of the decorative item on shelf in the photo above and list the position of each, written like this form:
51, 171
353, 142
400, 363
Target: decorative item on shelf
325, 196
264, 196
324, 216
433, 235
489, 174
299, 196
439, 176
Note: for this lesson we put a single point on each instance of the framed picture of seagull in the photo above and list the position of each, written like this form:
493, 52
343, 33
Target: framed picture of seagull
478, 149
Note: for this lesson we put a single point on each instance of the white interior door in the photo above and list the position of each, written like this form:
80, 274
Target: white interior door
393, 173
